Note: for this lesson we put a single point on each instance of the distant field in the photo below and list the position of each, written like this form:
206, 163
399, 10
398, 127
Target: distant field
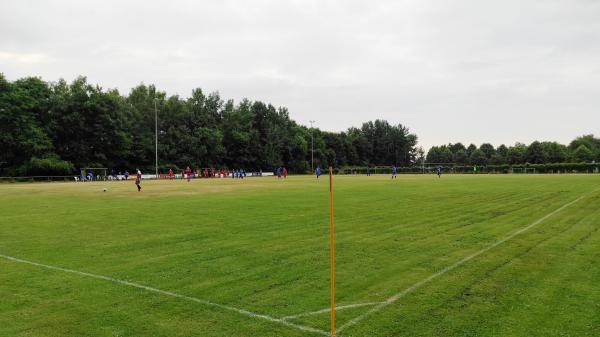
472, 255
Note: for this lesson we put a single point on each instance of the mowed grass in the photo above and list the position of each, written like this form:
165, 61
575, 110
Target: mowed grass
262, 245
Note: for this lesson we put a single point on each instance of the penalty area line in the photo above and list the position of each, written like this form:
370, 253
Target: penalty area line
171, 294
419, 284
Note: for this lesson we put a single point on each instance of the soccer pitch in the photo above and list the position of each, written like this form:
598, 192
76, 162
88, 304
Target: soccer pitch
464, 255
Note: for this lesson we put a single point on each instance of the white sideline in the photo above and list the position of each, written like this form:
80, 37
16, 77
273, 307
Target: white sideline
341, 307
417, 285
172, 294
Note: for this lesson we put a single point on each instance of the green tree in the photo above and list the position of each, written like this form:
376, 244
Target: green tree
478, 157
488, 150
517, 154
63, 126
501, 156
535, 153
471, 149
497, 159
583, 154
446, 156
21, 136
555, 152
457, 147
433, 155
593, 144
460, 157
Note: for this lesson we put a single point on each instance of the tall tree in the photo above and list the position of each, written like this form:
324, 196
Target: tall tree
488, 150
471, 149
478, 157
582, 154
535, 153
592, 144
22, 137
67, 125
517, 154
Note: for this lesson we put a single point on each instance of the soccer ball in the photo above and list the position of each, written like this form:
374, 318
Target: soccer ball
104, 189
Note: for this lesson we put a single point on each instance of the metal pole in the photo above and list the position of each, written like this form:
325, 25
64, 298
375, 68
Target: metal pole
155, 138
331, 252
312, 148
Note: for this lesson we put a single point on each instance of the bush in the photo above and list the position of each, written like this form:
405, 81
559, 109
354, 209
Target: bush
47, 167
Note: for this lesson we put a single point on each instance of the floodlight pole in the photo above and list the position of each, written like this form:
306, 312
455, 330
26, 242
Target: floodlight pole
331, 252
312, 148
155, 139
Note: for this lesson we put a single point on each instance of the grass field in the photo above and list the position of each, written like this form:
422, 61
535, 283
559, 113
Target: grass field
485, 255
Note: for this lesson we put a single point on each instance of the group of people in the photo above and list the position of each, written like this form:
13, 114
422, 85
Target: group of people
89, 176
188, 173
281, 172
240, 174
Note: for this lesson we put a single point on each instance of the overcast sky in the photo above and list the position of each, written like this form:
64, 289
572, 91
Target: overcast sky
465, 70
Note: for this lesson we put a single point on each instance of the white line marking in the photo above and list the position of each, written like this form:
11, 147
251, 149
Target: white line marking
341, 307
419, 284
172, 294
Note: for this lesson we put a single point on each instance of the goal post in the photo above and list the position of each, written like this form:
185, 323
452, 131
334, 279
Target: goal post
522, 170
93, 173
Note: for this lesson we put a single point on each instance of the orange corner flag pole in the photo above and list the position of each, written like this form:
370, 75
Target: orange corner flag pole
331, 251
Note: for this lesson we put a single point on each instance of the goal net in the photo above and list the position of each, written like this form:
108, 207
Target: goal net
523, 170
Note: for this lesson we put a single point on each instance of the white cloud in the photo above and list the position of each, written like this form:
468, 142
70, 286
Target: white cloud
9, 58
464, 70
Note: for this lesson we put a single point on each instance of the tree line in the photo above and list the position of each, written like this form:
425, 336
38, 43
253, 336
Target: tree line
54, 128
583, 149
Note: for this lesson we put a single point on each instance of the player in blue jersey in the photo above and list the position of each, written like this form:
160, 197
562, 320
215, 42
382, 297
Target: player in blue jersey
394, 172
438, 171
318, 171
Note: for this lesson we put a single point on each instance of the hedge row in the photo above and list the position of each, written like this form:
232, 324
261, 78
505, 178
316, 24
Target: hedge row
506, 168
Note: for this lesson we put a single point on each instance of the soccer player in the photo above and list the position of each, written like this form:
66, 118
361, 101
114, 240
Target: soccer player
188, 172
279, 172
138, 180
171, 174
394, 172
438, 171
284, 172
368, 171
318, 171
